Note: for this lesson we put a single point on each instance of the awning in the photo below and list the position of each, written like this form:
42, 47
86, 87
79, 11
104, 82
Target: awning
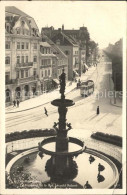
75, 72
56, 81
86, 66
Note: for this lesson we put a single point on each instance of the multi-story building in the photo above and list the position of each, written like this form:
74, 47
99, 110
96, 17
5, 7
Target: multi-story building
82, 37
71, 49
47, 61
59, 62
22, 52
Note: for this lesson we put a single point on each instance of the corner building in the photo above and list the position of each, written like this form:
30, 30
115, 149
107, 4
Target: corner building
22, 50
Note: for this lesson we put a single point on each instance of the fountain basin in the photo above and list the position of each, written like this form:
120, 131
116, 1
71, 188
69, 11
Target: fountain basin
64, 103
86, 171
47, 146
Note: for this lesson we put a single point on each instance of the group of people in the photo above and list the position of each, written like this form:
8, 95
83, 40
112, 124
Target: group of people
16, 103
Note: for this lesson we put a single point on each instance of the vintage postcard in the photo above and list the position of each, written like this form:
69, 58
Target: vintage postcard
63, 111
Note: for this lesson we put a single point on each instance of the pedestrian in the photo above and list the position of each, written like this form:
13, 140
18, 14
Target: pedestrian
98, 110
14, 103
46, 112
17, 103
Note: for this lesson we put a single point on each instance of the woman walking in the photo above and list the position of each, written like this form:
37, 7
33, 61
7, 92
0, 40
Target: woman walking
98, 110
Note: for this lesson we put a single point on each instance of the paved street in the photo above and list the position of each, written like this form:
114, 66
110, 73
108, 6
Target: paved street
82, 115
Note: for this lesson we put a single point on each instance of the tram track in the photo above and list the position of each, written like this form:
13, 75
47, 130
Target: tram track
31, 117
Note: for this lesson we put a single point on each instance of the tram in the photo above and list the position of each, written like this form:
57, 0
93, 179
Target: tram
87, 88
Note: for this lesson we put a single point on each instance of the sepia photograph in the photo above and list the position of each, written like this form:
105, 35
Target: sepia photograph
65, 97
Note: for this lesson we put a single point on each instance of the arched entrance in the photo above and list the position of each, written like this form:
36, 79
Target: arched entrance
18, 93
26, 91
7, 96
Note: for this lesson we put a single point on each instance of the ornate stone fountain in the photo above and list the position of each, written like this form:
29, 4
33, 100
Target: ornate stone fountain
61, 159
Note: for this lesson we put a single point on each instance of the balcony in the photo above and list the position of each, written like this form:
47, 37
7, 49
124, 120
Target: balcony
26, 80
24, 65
11, 81
45, 66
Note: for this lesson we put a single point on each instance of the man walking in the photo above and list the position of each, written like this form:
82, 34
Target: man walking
46, 112
14, 103
17, 103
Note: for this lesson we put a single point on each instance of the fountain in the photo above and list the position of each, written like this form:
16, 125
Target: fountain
62, 161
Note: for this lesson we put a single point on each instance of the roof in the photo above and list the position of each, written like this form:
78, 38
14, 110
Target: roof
14, 10
45, 44
57, 51
69, 39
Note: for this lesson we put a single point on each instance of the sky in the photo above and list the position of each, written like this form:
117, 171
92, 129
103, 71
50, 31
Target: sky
105, 20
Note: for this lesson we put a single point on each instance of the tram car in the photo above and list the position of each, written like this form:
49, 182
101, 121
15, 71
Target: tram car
87, 88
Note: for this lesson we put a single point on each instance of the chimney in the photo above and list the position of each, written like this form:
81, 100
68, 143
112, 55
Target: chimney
59, 30
62, 27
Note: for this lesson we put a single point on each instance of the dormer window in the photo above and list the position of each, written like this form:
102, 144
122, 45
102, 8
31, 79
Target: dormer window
8, 28
22, 23
18, 31
58, 42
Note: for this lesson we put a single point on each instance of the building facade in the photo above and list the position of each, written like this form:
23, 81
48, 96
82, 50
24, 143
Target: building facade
59, 60
22, 50
47, 63
71, 49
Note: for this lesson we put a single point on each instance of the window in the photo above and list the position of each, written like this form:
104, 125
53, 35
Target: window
26, 59
23, 31
18, 45
35, 72
22, 59
45, 73
27, 45
58, 42
48, 72
22, 23
35, 59
7, 60
8, 28
49, 61
18, 59
53, 62
7, 77
18, 31
42, 62
22, 45
26, 73
42, 73
43, 50
67, 52
35, 45
7, 46
17, 74
22, 73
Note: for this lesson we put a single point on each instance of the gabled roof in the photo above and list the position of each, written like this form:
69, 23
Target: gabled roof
14, 10
72, 41
57, 51
19, 13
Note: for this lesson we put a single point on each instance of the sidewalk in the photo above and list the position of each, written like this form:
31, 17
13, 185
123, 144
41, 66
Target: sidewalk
116, 99
47, 97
